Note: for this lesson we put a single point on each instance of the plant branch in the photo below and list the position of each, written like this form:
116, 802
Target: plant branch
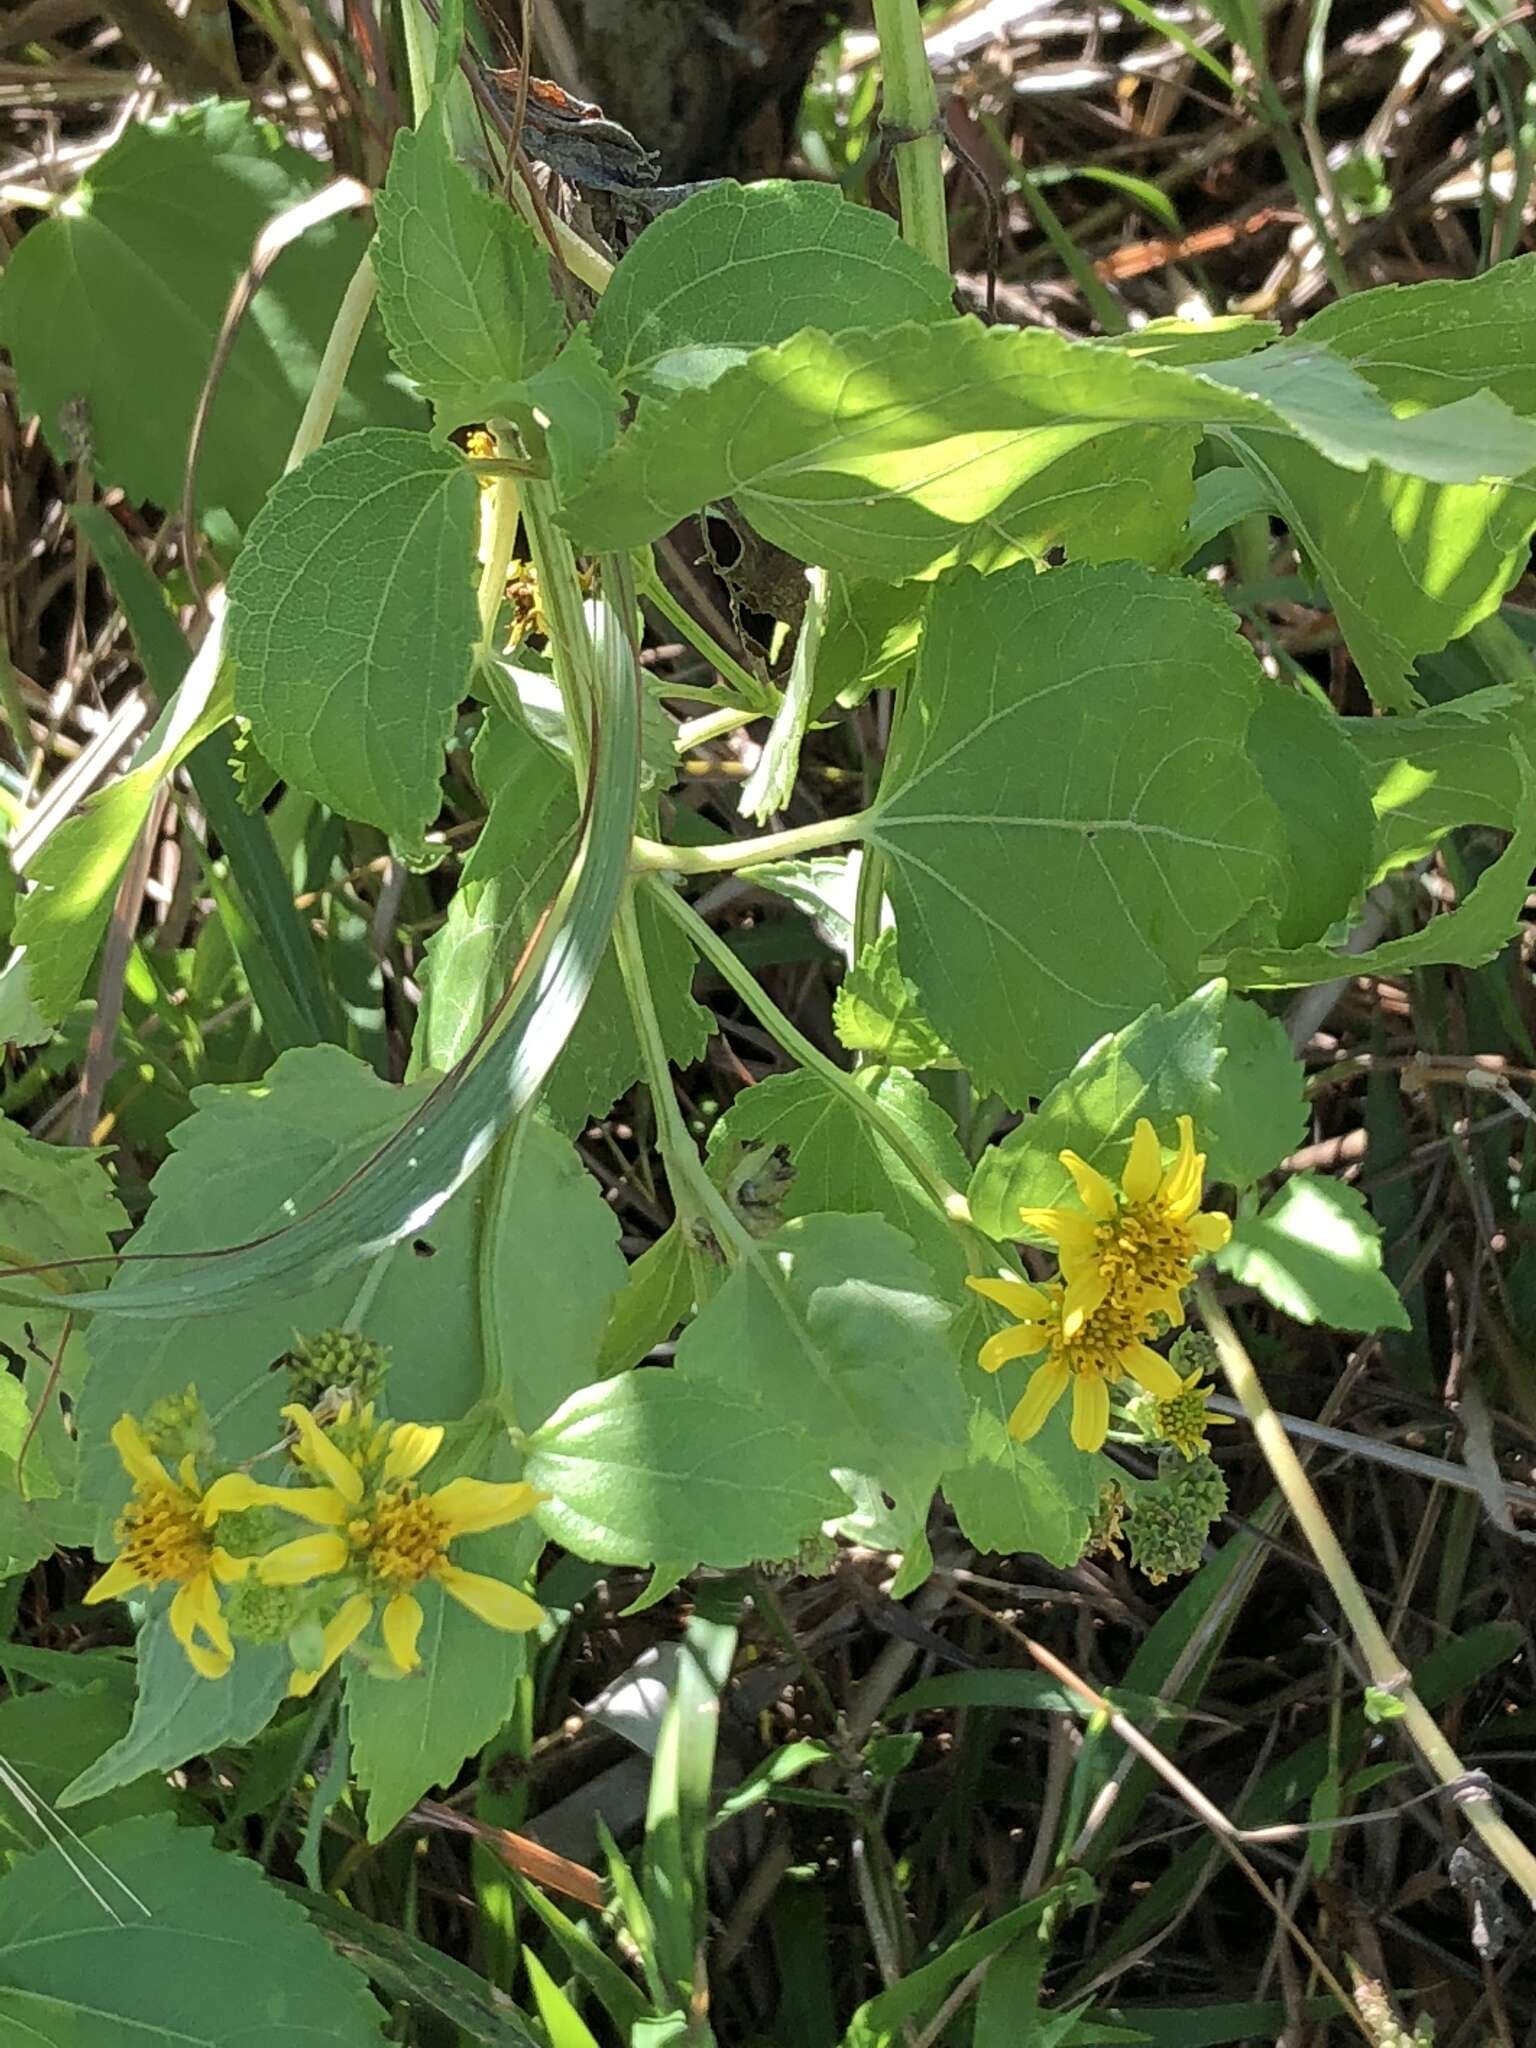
651, 855
1385, 1666
911, 124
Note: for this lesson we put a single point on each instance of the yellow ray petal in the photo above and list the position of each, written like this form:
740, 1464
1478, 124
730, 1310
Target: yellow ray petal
316, 1450
1085, 1292
1029, 1304
1182, 1182
118, 1578
236, 1491
411, 1446
208, 1663
195, 1611
1022, 1341
1210, 1231
465, 1505
1090, 1412
1152, 1371
502, 1606
1045, 1389
1095, 1192
402, 1625
226, 1569
341, 1632
1143, 1166
305, 1558
139, 1461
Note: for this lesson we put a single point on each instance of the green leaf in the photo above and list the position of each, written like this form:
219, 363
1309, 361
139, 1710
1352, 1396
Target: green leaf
562, 2022
877, 1011
1407, 566
1457, 764
1036, 1498
1315, 780
1474, 932
1111, 770
209, 1944
1314, 1252
56, 1202
654, 1299
178, 1714
851, 1334
507, 884
1260, 1110
47, 1738
897, 453
870, 637
651, 1465
1163, 1065
582, 405
736, 267
841, 1161
74, 879
245, 1159
550, 1268
351, 622
463, 283
123, 289
410, 1735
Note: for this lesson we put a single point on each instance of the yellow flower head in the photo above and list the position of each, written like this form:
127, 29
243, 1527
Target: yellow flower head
165, 1537
1088, 1351
1137, 1243
1183, 1418
375, 1525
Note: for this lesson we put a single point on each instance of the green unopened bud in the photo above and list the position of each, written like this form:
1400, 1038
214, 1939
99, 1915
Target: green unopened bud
1108, 1524
336, 1360
177, 1426
262, 1614
1168, 1521
250, 1532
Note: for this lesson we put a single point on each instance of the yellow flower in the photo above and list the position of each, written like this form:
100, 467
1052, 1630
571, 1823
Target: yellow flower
377, 1526
1087, 1351
164, 1538
1183, 1418
1137, 1243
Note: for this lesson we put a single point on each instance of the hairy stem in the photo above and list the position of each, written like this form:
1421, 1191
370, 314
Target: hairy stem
912, 121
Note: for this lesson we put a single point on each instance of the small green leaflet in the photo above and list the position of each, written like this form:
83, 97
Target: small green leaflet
652, 1466
736, 267
86, 1962
1070, 827
463, 285
1315, 1253
876, 1011
1459, 764
351, 623
122, 291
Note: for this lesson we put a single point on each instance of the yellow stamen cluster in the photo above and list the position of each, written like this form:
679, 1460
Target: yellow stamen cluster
1126, 1256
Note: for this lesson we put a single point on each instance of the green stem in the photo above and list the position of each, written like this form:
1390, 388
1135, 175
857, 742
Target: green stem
912, 111
650, 854
1382, 1661
570, 644
703, 1213
947, 1199
656, 593
356, 304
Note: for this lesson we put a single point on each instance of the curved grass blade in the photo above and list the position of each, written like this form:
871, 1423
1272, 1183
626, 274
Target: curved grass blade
393, 1191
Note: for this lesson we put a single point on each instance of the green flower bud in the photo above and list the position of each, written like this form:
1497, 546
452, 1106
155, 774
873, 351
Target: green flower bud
176, 1426
339, 1359
1169, 1520
262, 1614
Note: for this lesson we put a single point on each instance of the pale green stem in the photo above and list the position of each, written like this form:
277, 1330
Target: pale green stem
712, 725
948, 1200
554, 564
502, 507
655, 592
346, 328
703, 1213
912, 111
1382, 1661
651, 854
